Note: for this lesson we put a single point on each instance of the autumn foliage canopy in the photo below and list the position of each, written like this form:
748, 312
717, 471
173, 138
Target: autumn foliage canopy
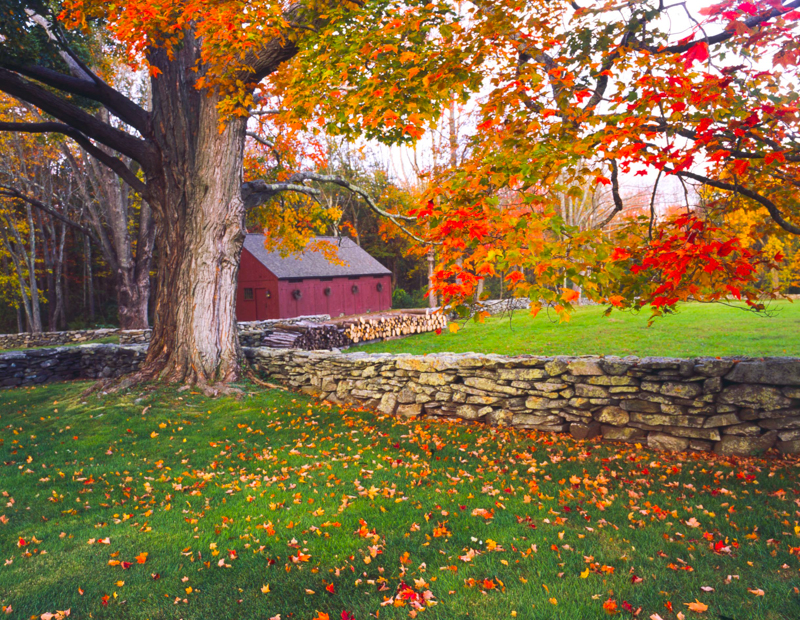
563, 93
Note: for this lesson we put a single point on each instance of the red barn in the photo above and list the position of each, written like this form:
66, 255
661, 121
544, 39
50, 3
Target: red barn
276, 287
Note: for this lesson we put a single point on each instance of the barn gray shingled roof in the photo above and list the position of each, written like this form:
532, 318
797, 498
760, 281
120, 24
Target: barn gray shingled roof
357, 262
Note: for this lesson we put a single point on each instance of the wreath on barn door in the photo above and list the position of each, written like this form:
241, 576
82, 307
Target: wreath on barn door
354, 288
296, 293
327, 291
379, 286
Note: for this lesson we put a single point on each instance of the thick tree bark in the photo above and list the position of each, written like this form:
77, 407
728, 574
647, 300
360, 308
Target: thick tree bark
192, 161
199, 217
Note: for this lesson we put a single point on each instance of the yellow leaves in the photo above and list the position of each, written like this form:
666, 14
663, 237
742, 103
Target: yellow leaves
697, 607
265, 589
188, 590
119, 584
453, 327
153, 435
553, 600
585, 574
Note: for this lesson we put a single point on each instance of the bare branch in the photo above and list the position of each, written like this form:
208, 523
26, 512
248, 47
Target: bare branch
97, 90
8, 191
260, 140
255, 193
76, 118
618, 205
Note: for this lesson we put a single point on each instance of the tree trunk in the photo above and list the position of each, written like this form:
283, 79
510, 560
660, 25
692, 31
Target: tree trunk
432, 301
199, 217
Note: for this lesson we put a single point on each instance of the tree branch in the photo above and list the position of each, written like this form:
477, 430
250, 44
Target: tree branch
76, 118
6, 191
756, 20
114, 164
618, 205
255, 193
771, 207
260, 140
97, 90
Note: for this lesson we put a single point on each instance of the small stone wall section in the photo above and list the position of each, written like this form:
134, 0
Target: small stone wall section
251, 333
732, 406
88, 361
46, 339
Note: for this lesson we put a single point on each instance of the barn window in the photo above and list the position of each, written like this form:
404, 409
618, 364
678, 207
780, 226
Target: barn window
248, 294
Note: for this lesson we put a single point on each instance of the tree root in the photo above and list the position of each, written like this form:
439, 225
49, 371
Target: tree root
125, 382
251, 375
156, 372
213, 390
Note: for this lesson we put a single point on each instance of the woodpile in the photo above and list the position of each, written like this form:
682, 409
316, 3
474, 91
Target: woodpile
344, 332
305, 335
393, 325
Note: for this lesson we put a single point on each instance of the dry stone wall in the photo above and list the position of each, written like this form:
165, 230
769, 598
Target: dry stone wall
731, 406
47, 339
88, 361
251, 333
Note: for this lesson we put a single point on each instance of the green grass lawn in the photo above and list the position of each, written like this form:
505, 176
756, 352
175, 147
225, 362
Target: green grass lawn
274, 506
696, 330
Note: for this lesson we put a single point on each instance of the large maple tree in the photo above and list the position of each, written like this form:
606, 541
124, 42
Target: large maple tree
209, 62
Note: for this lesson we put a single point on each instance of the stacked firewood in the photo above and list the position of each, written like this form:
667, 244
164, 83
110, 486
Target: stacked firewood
305, 335
392, 325
344, 332
322, 337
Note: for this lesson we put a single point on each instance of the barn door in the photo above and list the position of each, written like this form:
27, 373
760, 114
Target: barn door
262, 311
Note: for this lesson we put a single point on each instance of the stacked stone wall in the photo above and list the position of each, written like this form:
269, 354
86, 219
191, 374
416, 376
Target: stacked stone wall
88, 361
48, 339
251, 334
731, 406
